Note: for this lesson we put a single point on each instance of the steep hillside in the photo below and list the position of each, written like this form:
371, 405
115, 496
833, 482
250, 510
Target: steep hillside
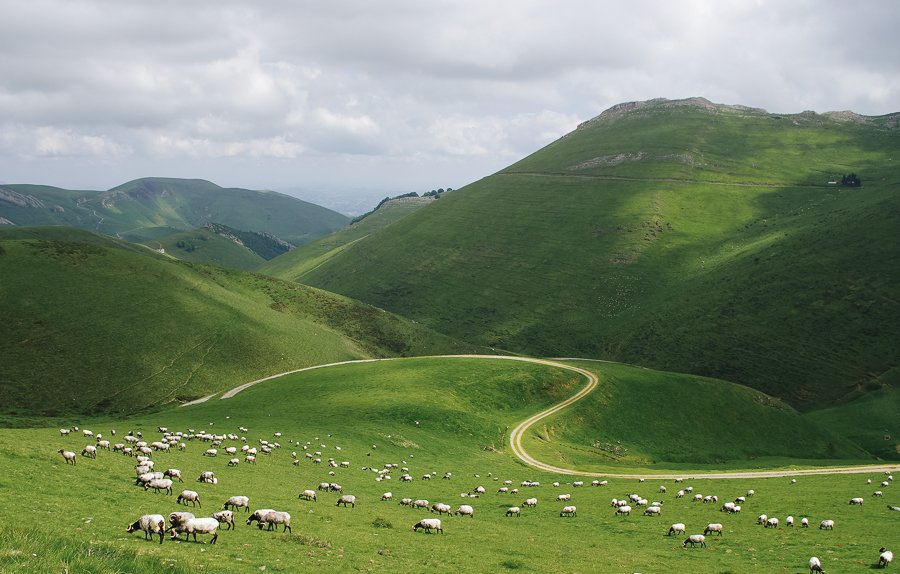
152, 207
94, 325
684, 236
221, 245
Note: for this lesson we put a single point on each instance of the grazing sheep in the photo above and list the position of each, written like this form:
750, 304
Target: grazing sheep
250, 459
677, 528
513, 510
238, 502
225, 517
662, 488
179, 517
194, 525
207, 477
804, 522
211, 452
503, 490
421, 503
68, 455
734, 509
346, 499
152, 524
653, 511
323, 486
273, 518
387, 496
726, 507
568, 511
877, 493
562, 497
64, 432
885, 558
173, 473
234, 461
750, 493
695, 539
258, 514
713, 527
428, 524
103, 444
894, 508
159, 484
623, 510
90, 450
679, 494
577, 483
335, 487
772, 523
761, 519
189, 496
815, 565
858, 500
826, 525
789, 521
479, 490
406, 502
465, 510
530, 502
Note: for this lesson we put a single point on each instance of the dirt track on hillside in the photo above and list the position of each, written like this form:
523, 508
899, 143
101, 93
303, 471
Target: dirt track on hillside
515, 437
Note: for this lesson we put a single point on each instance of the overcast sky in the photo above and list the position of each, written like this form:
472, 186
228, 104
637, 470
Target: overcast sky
367, 97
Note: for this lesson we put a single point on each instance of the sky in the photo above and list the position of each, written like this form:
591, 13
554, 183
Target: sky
347, 101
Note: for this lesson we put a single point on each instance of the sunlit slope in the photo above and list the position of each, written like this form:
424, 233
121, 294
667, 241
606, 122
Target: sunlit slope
94, 325
704, 239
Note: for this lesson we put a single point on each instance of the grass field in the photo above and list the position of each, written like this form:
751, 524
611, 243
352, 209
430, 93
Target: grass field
432, 416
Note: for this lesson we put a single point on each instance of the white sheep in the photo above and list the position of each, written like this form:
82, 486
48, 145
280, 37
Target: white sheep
234, 461
258, 514
693, 540
772, 523
804, 522
726, 507
815, 565
679, 494
274, 518
877, 493
387, 496
885, 558
826, 525
173, 473
103, 444
237, 502
568, 511
159, 484
90, 450
577, 483
64, 432
513, 510
189, 496
761, 519
857, 501
623, 510
350, 499
677, 528
530, 502
192, 526
207, 477
465, 510
211, 452
713, 527
308, 495
68, 455
562, 497
662, 488
179, 517
653, 511
225, 517
789, 521
150, 524
428, 524
441, 508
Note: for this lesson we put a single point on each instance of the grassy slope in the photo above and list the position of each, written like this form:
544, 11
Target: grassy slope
461, 407
204, 246
93, 325
294, 265
137, 209
722, 252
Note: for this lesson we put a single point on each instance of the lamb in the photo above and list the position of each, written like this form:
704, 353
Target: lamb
274, 518
858, 500
695, 539
90, 450
677, 528
428, 524
225, 517
195, 525
530, 502
713, 527
308, 495
258, 514
150, 524
772, 523
623, 510
513, 510
885, 558
440, 508
68, 455
159, 484
815, 565
350, 499
237, 502
568, 511
826, 525
465, 510
189, 496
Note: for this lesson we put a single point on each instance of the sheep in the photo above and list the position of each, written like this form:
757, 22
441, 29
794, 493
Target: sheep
406, 502
258, 514
87, 433
503, 490
695, 539
761, 519
677, 528
735, 509
237, 502
577, 483
713, 527
387, 496
894, 508
103, 444
772, 523
234, 461
563, 497
789, 521
176, 518
346, 499
90, 450
440, 508
225, 517
826, 525
513, 510
750, 493
465, 510
815, 565
159, 484
173, 473
211, 452
67, 455
195, 525
208, 477
64, 432
858, 501
877, 493
146, 477
653, 511
885, 558
568, 511
150, 524
532, 502
421, 503
804, 522
679, 494
479, 490
323, 486
335, 487
189, 496
726, 507
273, 518
623, 510
428, 524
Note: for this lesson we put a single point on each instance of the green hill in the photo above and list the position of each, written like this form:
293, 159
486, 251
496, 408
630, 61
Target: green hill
221, 245
92, 324
152, 207
683, 236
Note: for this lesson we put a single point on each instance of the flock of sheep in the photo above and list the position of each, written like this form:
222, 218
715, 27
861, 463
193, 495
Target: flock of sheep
183, 522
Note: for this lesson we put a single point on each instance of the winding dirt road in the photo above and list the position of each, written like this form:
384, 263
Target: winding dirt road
515, 437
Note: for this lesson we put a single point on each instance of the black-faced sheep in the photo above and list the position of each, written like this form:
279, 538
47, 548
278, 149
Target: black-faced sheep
308, 495
885, 558
68, 455
189, 496
568, 511
150, 524
695, 539
192, 526
274, 518
346, 499
428, 524
225, 517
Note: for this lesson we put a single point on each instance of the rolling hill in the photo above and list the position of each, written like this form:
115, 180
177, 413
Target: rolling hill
96, 325
680, 235
151, 208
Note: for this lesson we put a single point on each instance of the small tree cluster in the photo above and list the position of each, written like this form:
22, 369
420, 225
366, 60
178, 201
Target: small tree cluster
851, 180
